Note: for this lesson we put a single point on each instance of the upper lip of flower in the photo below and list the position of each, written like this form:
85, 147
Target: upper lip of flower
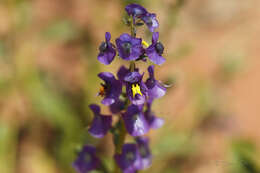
135, 10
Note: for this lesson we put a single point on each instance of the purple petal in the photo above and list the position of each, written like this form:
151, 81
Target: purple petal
129, 159
122, 72
108, 101
125, 37
95, 108
135, 122
113, 88
138, 100
136, 41
107, 57
135, 49
151, 21
157, 91
155, 37
106, 76
155, 122
108, 36
151, 71
117, 106
135, 10
154, 56
100, 125
86, 160
107, 51
133, 77
143, 147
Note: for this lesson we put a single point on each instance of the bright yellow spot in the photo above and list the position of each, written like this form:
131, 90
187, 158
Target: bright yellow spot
145, 43
136, 90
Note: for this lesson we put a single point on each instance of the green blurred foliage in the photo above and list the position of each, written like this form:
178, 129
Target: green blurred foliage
244, 157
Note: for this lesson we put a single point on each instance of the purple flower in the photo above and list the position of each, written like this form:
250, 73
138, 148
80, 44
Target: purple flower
129, 159
136, 90
153, 121
151, 21
155, 50
111, 90
86, 160
129, 48
100, 124
143, 147
107, 51
155, 89
135, 122
135, 10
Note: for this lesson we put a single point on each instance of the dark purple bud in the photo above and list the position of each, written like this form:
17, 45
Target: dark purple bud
159, 48
103, 47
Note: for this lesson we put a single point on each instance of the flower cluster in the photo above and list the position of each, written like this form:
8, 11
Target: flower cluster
128, 96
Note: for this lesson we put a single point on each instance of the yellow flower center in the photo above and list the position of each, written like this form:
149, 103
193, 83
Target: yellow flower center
145, 43
136, 89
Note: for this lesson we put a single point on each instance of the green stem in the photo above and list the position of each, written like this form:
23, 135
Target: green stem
132, 66
133, 29
122, 136
133, 34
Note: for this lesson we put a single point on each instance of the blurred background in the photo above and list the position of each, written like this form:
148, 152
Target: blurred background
48, 68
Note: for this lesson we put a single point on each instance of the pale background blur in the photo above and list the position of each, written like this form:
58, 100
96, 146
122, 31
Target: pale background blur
48, 68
